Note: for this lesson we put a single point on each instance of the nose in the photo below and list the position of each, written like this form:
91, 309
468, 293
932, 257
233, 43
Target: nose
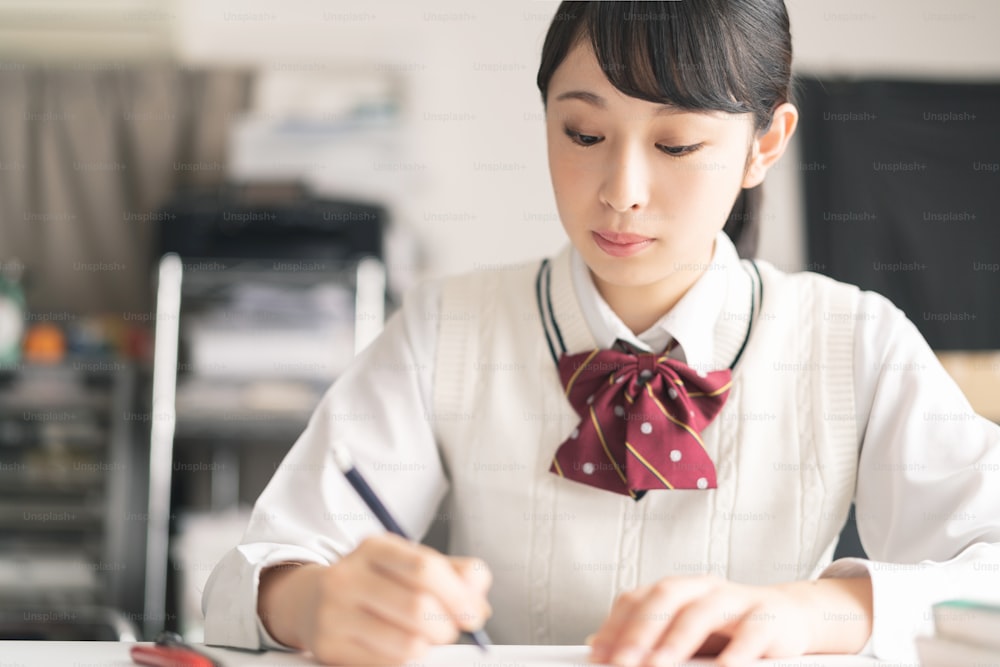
626, 183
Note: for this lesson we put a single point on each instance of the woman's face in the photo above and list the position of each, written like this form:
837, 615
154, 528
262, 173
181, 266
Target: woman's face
641, 189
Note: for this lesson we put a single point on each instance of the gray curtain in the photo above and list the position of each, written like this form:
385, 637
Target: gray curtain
87, 155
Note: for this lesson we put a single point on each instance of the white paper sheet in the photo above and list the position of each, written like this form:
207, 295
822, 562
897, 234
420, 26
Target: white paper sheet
453, 656
554, 656
505, 656
113, 654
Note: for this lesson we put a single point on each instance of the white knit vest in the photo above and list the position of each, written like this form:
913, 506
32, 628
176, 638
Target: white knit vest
785, 447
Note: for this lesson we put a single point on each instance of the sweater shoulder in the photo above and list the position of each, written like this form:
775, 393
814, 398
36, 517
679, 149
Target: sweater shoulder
796, 281
493, 278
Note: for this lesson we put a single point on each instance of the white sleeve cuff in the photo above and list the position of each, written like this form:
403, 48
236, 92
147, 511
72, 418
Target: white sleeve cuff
902, 595
850, 568
230, 598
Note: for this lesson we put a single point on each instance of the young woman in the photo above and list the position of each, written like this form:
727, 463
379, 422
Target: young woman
645, 439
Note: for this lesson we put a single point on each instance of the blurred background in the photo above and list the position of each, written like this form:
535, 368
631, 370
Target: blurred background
208, 206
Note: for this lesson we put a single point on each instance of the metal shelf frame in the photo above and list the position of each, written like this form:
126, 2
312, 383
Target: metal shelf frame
175, 285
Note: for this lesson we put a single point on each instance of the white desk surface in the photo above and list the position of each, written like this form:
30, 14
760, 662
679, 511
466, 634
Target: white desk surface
114, 654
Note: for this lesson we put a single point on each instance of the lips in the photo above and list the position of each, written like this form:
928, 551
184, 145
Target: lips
621, 245
622, 239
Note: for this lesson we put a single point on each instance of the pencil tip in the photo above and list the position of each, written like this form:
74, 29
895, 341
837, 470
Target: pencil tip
482, 639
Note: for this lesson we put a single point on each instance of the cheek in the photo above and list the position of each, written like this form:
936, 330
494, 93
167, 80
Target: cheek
570, 179
704, 188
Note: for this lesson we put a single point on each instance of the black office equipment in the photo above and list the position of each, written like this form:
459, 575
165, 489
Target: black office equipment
269, 222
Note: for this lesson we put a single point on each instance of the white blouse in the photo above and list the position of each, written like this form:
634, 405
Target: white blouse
906, 407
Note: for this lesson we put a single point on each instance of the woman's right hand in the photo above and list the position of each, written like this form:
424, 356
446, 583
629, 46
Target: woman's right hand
385, 603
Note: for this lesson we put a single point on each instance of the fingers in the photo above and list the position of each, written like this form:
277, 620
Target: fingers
669, 622
616, 640
751, 639
425, 570
695, 623
474, 571
638, 619
365, 640
388, 600
414, 611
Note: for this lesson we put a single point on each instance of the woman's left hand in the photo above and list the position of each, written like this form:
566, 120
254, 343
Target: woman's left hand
678, 617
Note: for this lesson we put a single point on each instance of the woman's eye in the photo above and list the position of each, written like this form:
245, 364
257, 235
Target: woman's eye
586, 140
677, 151
582, 139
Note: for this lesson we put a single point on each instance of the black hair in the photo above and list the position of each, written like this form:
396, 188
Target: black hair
733, 56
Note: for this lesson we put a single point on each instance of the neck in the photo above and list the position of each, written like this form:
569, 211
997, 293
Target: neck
641, 306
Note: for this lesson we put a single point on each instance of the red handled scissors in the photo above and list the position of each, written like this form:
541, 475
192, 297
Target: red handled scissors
170, 651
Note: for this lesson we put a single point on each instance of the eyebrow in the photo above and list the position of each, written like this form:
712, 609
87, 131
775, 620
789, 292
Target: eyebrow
596, 100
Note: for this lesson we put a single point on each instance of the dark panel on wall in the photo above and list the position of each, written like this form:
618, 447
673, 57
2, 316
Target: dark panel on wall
903, 197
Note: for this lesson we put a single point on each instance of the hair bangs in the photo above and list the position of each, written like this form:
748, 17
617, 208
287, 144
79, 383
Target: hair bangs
663, 52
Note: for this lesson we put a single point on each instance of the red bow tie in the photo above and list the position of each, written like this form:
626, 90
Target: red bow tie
641, 416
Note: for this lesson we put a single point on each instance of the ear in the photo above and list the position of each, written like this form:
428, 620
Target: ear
771, 143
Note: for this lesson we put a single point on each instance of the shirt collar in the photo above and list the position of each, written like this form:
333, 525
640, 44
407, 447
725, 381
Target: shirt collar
691, 321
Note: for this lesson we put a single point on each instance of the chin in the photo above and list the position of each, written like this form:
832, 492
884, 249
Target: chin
631, 272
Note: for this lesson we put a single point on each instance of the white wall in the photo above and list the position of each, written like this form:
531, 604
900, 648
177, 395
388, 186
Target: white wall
473, 112
467, 69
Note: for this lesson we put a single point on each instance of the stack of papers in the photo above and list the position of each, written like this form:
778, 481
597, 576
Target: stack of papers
268, 331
